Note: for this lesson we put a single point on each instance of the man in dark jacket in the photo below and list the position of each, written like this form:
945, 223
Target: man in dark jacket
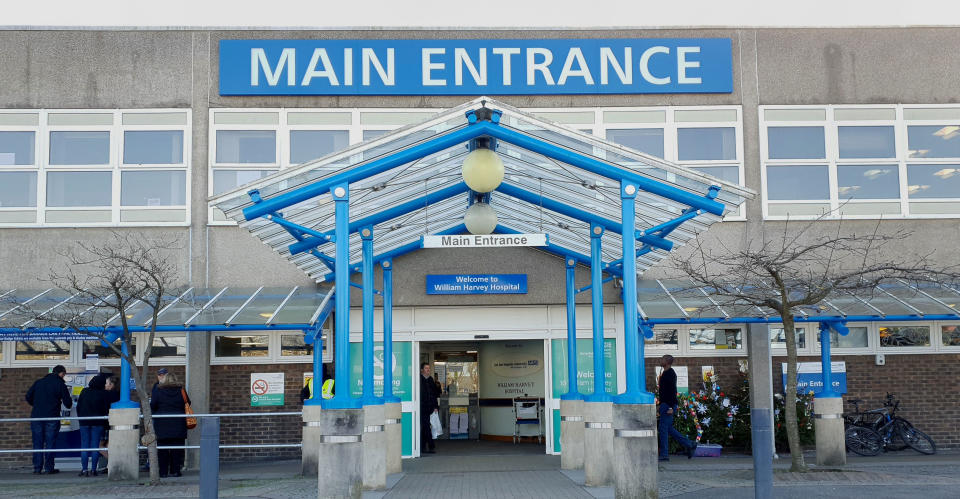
428, 405
46, 396
667, 389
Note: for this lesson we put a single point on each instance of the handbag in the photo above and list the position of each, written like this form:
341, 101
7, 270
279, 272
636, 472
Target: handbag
191, 422
435, 427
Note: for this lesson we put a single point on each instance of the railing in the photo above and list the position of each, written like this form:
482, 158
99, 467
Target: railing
209, 442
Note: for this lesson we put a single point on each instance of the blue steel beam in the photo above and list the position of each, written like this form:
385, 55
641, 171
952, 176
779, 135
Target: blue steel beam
383, 216
572, 390
388, 396
552, 248
366, 238
584, 216
636, 392
596, 307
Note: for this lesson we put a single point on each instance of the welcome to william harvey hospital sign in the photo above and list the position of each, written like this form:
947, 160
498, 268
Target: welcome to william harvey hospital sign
475, 67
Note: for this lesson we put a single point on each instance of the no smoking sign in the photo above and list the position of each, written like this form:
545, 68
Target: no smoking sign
266, 389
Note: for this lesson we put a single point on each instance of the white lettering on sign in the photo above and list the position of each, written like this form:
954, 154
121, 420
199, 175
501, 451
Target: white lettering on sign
484, 241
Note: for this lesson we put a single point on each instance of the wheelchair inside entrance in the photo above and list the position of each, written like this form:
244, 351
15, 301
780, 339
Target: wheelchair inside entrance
492, 396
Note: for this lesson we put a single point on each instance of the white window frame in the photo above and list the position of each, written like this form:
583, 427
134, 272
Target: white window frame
934, 329
939, 334
273, 349
73, 360
832, 160
42, 165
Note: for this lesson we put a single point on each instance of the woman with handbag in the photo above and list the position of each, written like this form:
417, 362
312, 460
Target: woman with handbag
169, 397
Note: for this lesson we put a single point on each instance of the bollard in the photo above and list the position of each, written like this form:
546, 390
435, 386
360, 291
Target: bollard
598, 443
340, 463
209, 457
634, 451
124, 437
828, 425
571, 434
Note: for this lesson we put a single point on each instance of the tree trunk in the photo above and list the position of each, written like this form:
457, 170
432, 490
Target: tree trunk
150, 437
790, 395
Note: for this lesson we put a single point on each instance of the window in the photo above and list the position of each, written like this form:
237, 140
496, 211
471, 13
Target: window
79, 188
950, 336
80, 148
848, 162
646, 140
715, 339
16, 148
856, 338
94, 168
664, 339
698, 144
247, 146
18, 189
43, 350
778, 338
105, 352
904, 336
169, 346
292, 345
153, 188
153, 147
241, 345
306, 145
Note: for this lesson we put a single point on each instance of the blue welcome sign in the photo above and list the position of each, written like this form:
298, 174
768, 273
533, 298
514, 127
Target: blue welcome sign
476, 284
476, 67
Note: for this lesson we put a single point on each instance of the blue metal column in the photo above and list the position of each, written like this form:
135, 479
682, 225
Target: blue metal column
572, 392
388, 396
124, 402
825, 366
342, 398
596, 306
635, 393
316, 397
366, 238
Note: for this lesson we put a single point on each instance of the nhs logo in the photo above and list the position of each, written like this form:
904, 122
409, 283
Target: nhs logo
474, 67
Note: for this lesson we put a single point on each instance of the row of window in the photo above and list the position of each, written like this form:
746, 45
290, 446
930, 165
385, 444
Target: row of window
120, 167
132, 166
168, 348
864, 338
863, 161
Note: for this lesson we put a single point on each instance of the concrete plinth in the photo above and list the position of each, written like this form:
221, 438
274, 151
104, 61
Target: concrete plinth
571, 434
311, 440
828, 424
634, 460
374, 448
340, 455
394, 435
598, 443
124, 437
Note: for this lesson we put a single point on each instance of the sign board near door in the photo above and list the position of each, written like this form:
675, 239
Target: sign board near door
476, 284
402, 362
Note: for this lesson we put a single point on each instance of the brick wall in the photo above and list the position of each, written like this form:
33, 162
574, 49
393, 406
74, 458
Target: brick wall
14, 384
928, 386
230, 393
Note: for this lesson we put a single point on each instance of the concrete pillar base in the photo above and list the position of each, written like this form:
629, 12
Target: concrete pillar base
828, 424
598, 443
634, 460
340, 457
571, 434
394, 434
374, 448
311, 440
124, 438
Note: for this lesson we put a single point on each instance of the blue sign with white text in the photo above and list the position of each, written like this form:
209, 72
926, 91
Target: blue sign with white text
477, 284
810, 377
476, 67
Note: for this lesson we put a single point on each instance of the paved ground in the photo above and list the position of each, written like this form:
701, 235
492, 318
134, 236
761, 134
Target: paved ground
506, 471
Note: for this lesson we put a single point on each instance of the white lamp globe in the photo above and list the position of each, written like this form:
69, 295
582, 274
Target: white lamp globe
480, 219
482, 170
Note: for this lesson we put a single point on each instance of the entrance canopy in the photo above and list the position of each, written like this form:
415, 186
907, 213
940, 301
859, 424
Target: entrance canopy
408, 184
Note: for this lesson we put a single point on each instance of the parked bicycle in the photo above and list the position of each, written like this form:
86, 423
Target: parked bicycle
870, 432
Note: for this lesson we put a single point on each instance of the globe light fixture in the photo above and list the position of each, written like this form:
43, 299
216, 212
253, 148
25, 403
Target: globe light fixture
482, 170
480, 219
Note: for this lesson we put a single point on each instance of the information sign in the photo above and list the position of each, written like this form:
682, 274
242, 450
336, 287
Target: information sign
266, 389
476, 284
810, 376
484, 241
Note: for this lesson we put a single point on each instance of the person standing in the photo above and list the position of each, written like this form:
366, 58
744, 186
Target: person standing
667, 389
170, 398
46, 395
94, 400
428, 405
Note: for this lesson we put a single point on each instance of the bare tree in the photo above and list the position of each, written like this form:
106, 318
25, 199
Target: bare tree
126, 276
800, 266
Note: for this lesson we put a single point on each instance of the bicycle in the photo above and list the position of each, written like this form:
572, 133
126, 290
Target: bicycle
870, 432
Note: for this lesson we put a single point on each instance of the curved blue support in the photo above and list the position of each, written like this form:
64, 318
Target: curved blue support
124, 402
596, 306
572, 392
636, 384
341, 398
388, 396
825, 365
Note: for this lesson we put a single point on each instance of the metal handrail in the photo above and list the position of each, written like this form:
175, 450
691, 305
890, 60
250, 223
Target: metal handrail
14, 451
226, 446
27, 420
229, 415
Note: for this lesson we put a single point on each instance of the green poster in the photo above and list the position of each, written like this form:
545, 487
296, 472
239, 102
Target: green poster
402, 362
584, 366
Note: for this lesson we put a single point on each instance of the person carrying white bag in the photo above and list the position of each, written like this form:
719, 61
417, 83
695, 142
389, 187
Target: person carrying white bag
429, 410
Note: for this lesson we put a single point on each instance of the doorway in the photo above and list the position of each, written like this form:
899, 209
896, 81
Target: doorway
484, 386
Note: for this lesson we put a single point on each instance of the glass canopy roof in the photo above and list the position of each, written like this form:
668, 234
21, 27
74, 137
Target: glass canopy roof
680, 300
185, 307
527, 173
